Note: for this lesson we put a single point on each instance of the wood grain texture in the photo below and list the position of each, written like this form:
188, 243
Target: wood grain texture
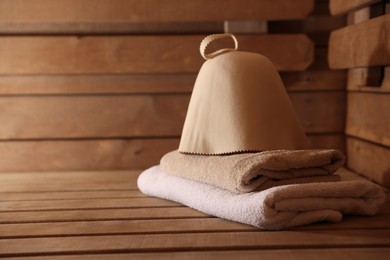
114, 11
333, 103
48, 117
309, 80
103, 154
368, 117
225, 241
363, 44
83, 154
100, 215
275, 254
137, 54
338, 7
92, 116
369, 159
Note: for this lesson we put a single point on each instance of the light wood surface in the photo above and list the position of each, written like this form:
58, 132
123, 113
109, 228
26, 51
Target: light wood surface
100, 214
48, 117
130, 11
362, 44
368, 117
137, 54
369, 159
338, 7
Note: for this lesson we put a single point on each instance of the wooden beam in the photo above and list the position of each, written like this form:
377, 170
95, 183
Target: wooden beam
338, 7
137, 54
363, 44
369, 159
368, 117
159, 11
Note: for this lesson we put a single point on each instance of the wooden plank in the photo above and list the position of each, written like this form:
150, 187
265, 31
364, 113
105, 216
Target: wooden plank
62, 195
316, 27
96, 84
48, 117
329, 141
363, 44
103, 154
331, 103
338, 7
368, 117
187, 225
289, 254
311, 80
99, 215
107, 28
53, 181
195, 241
83, 154
114, 11
93, 116
121, 227
84, 204
137, 54
369, 160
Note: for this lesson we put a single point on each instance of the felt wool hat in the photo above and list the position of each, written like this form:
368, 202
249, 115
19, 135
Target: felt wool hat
239, 104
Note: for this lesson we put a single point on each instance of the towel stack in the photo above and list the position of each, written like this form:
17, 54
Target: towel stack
239, 104
271, 190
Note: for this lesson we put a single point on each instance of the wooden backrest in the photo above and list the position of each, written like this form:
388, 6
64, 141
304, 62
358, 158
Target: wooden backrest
105, 84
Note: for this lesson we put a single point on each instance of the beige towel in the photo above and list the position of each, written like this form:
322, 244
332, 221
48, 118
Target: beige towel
255, 171
276, 208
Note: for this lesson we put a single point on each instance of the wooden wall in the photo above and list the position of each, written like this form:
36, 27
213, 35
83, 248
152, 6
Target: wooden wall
363, 48
105, 84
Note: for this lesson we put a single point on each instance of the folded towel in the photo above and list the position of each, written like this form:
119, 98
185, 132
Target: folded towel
253, 171
273, 209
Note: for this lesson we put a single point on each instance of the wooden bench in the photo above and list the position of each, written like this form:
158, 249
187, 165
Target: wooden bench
102, 215
89, 89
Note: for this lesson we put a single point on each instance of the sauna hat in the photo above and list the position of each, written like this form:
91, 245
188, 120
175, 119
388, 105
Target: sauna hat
239, 104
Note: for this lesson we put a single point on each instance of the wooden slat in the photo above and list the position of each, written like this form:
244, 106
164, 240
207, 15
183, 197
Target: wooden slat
331, 102
94, 116
120, 27
96, 84
121, 227
289, 254
369, 159
311, 80
225, 241
61, 155
50, 117
169, 226
137, 54
363, 44
368, 117
114, 11
65, 181
329, 141
83, 154
85, 204
338, 7
58, 195
99, 215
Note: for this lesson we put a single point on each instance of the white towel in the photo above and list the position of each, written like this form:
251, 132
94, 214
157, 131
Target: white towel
273, 209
